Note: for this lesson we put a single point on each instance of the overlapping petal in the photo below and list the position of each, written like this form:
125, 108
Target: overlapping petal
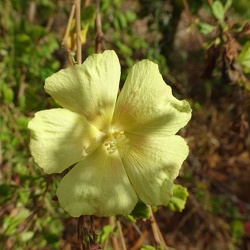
146, 104
152, 164
60, 138
89, 89
98, 185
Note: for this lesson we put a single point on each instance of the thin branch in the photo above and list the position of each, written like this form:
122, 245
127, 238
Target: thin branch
85, 3
137, 245
66, 35
22, 85
121, 235
191, 20
113, 237
210, 2
64, 43
78, 32
32, 12
156, 231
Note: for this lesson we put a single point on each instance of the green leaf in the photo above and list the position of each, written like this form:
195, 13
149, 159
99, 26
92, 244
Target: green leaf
218, 11
37, 32
88, 15
51, 237
179, 198
237, 230
10, 223
205, 28
6, 191
104, 233
244, 57
130, 218
25, 236
48, 4
7, 94
23, 196
130, 15
147, 247
22, 121
228, 5
122, 21
46, 49
141, 210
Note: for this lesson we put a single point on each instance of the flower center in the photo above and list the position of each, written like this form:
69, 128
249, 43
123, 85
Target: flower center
117, 141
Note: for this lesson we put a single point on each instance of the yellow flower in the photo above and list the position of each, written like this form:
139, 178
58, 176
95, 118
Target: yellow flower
124, 149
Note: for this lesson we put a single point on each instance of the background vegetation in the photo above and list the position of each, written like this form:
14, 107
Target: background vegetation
203, 51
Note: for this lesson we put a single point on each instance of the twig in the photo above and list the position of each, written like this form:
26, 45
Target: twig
32, 12
156, 231
190, 17
22, 85
64, 43
121, 234
98, 28
210, 2
85, 3
137, 245
78, 32
66, 35
113, 237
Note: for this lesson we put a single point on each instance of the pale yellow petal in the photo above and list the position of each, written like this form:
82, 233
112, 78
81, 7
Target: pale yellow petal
152, 164
146, 104
89, 89
98, 185
60, 138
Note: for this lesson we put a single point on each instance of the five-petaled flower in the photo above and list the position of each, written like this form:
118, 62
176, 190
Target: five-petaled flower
124, 149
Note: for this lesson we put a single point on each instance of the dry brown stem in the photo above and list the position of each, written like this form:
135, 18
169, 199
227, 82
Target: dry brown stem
78, 32
191, 21
121, 235
64, 43
156, 231
115, 243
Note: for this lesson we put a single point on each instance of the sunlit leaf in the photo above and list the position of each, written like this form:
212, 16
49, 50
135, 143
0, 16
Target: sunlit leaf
104, 234
179, 198
244, 58
26, 236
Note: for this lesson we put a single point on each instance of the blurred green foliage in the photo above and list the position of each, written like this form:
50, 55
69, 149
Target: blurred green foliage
28, 219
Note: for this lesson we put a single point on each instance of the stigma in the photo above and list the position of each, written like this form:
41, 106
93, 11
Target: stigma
117, 141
